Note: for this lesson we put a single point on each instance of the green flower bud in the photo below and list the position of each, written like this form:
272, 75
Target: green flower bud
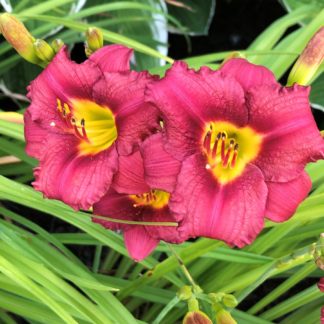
197, 317
216, 297
43, 50
229, 301
19, 37
94, 39
309, 61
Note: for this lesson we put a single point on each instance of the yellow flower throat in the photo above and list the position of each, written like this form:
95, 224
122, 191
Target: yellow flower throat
93, 124
229, 149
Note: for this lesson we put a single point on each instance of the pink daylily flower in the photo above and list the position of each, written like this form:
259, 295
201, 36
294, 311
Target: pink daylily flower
243, 141
144, 203
81, 117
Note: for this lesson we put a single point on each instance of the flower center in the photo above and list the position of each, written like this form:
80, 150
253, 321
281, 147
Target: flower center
228, 149
154, 198
92, 124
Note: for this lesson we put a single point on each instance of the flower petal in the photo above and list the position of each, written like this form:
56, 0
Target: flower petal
62, 79
166, 233
130, 176
123, 93
284, 197
291, 138
161, 169
112, 58
35, 137
139, 243
189, 99
233, 212
114, 205
320, 284
247, 74
79, 181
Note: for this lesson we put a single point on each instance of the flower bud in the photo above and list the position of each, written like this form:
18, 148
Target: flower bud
216, 297
43, 50
19, 37
224, 317
309, 60
197, 317
57, 44
94, 39
229, 301
184, 293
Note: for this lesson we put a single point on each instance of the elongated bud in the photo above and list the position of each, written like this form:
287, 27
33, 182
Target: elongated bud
12, 117
43, 50
94, 40
309, 60
19, 37
197, 317
57, 44
224, 317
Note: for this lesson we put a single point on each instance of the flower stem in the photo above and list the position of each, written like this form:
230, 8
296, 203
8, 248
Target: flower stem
183, 268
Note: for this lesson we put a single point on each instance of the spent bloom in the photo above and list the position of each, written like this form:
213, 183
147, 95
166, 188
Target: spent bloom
243, 142
81, 117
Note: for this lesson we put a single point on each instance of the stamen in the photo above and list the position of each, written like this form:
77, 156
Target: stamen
223, 146
229, 151
234, 158
84, 133
207, 141
214, 151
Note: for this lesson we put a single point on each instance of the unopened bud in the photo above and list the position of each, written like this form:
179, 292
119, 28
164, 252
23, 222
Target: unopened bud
43, 50
224, 317
197, 317
229, 301
94, 39
19, 37
57, 44
309, 60
184, 293
216, 297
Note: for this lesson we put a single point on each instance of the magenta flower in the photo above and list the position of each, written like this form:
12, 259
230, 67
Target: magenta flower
243, 141
80, 118
144, 204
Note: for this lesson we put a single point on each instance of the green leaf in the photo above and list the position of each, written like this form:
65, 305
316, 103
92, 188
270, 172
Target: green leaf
195, 15
291, 5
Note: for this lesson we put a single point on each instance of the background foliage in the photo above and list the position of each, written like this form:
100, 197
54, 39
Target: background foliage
81, 273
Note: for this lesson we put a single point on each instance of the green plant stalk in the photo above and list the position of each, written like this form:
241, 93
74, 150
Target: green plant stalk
306, 296
13, 273
108, 35
170, 264
173, 302
303, 272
